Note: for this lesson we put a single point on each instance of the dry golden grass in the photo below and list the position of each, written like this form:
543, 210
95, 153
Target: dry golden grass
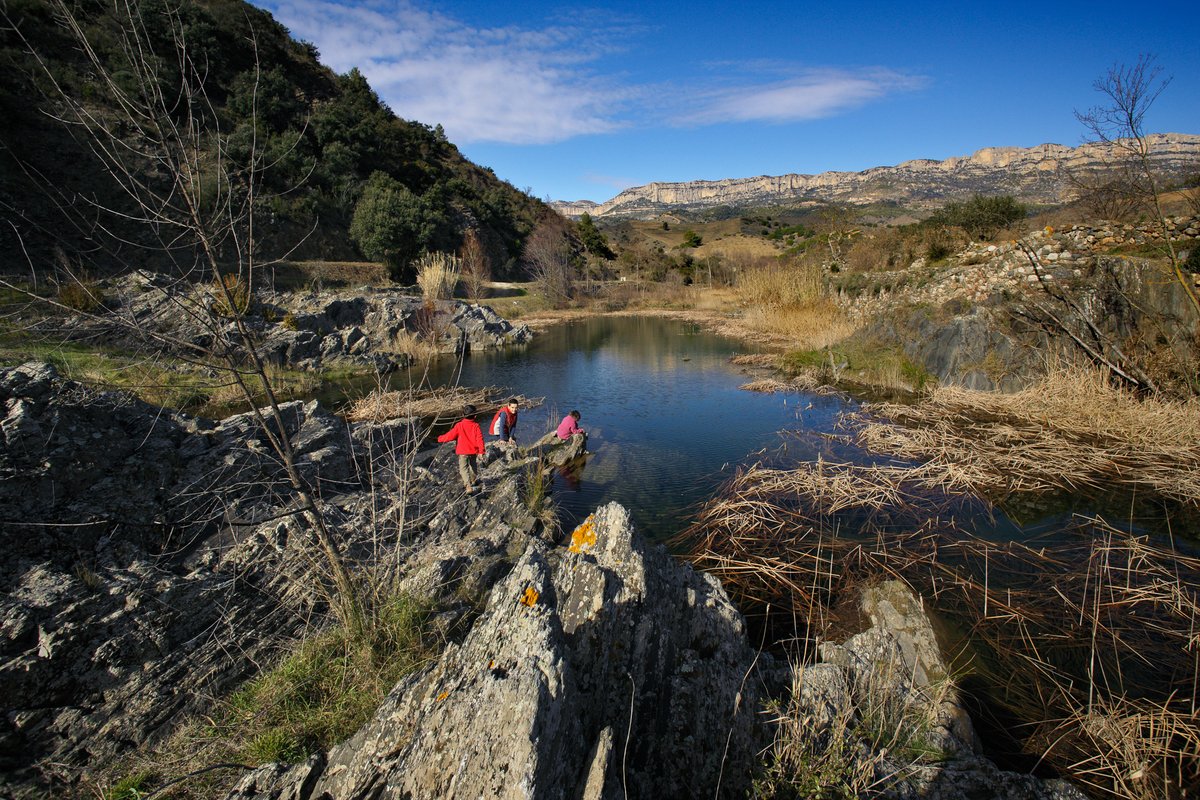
801, 383
1089, 638
418, 348
1070, 430
437, 275
811, 326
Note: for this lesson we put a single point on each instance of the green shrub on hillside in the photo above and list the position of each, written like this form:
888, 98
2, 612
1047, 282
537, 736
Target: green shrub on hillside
981, 217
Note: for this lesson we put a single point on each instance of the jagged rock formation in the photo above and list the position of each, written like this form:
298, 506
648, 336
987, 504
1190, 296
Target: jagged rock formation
309, 330
598, 669
1029, 173
894, 671
154, 561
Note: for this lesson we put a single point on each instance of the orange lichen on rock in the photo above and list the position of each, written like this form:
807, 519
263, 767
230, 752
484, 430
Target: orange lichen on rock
530, 597
442, 696
583, 537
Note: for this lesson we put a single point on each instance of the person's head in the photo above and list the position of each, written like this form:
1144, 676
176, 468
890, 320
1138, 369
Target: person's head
469, 411
512, 404
575, 414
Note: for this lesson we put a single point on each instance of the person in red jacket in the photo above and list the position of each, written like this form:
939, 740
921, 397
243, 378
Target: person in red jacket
502, 427
468, 440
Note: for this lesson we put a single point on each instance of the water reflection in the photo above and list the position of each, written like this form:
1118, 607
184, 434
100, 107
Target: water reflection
659, 399
667, 425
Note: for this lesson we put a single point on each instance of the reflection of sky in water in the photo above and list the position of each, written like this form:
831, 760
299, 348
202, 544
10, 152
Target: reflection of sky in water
660, 401
668, 424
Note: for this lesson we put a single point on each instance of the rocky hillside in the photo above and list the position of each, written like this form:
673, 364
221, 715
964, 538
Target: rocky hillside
993, 314
1032, 174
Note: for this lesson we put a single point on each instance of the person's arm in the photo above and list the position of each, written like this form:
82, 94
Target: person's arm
450, 435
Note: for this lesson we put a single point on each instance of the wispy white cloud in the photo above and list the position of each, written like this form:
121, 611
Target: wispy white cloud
518, 85
504, 84
812, 94
610, 181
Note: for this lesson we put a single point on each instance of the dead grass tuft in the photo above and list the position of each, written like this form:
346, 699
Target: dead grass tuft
1071, 430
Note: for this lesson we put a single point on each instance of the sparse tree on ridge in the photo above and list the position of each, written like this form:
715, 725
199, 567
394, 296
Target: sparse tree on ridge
1131, 91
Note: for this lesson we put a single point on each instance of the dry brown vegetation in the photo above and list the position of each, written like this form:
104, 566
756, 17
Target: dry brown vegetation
1088, 638
379, 405
1069, 430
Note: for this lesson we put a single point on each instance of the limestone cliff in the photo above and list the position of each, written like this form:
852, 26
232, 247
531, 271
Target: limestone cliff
1030, 173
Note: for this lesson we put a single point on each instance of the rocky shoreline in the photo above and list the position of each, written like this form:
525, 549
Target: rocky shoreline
155, 563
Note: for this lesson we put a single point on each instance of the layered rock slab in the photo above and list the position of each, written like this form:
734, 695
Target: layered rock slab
599, 669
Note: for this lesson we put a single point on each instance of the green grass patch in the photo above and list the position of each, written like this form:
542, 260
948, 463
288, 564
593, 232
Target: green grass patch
315, 697
328, 687
158, 380
858, 362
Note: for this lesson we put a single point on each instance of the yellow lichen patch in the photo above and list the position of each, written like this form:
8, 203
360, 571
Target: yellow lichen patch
583, 537
530, 597
443, 696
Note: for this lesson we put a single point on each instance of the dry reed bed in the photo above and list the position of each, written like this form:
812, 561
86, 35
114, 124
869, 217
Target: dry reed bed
1093, 639
379, 406
803, 383
1067, 432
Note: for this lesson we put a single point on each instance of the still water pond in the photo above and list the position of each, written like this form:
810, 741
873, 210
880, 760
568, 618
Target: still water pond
660, 401
667, 425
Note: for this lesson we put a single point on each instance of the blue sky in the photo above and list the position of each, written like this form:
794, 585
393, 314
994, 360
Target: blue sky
580, 101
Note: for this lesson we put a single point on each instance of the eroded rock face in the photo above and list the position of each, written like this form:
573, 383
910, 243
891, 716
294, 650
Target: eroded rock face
598, 668
154, 561
1030, 173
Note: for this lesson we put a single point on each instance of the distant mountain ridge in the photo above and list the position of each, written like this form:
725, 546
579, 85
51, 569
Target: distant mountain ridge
1032, 174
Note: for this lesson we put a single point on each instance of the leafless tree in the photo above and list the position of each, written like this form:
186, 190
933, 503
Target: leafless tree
476, 266
1131, 91
550, 255
161, 142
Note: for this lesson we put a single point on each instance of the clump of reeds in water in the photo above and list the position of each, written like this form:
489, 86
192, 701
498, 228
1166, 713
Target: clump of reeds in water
1091, 639
1071, 430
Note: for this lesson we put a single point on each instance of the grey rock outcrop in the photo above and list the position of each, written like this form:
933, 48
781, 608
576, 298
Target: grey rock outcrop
1031, 173
371, 327
893, 672
981, 320
602, 669
155, 561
